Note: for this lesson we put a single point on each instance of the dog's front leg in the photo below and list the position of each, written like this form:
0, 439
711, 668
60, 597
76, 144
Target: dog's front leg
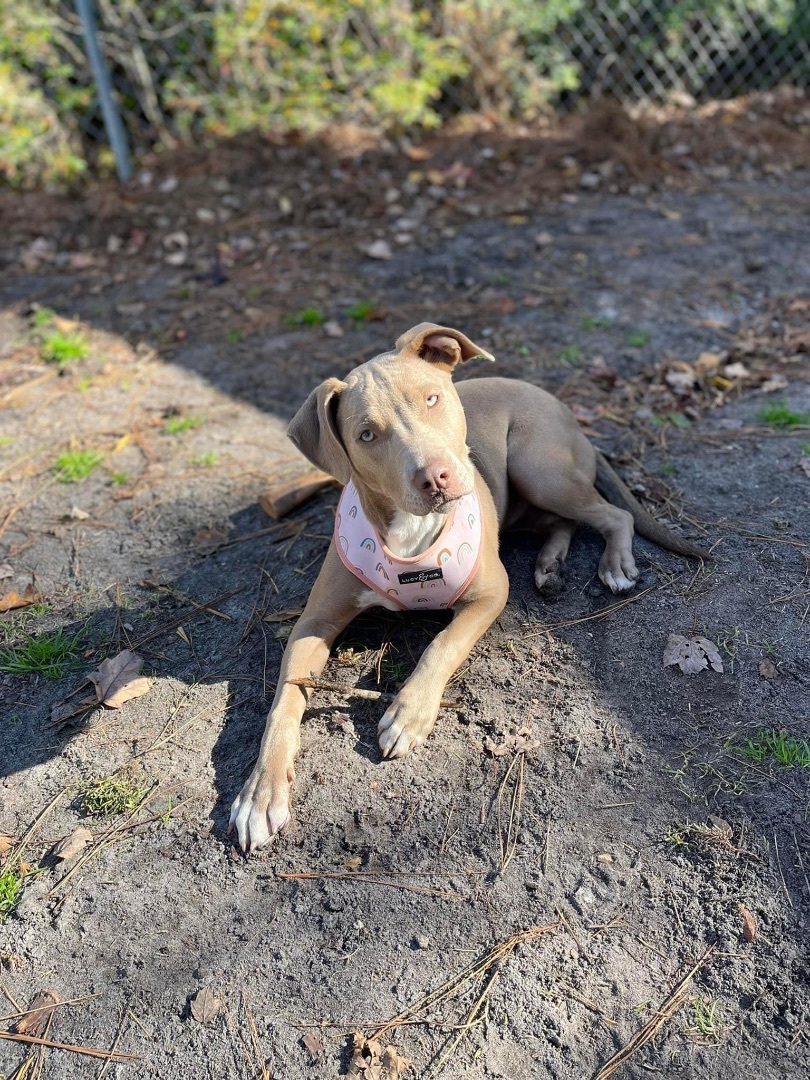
410, 719
262, 807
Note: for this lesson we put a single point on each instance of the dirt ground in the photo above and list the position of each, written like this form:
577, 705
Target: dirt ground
581, 786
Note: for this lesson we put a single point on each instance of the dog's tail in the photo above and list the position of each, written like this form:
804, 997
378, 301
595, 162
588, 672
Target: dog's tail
614, 489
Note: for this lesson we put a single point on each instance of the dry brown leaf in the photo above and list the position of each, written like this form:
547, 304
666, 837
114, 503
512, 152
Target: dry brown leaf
281, 616
118, 679
397, 1066
707, 363
6, 843
70, 846
767, 669
206, 541
10, 601
691, 654
804, 465
34, 1023
6, 571
205, 1005
749, 923
353, 863
314, 1046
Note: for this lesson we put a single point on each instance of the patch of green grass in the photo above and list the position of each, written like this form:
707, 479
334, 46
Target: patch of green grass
571, 354
362, 311
119, 478
5, 440
637, 339
42, 317
51, 655
10, 889
500, 278
233, 337
176, 425
206, 460
704, 1017
788, 750
111, 795
667, 469
63, 349
595, 322
75, 465
308, 316
778, 415
83, 385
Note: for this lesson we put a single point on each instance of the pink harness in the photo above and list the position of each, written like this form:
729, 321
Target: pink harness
434, 579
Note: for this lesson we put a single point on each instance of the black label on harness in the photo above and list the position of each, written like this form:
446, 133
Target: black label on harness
421, 575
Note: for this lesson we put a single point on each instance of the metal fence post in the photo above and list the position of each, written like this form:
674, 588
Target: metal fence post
112, 120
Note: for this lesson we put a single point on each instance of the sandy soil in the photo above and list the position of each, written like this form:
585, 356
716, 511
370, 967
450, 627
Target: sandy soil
639, 824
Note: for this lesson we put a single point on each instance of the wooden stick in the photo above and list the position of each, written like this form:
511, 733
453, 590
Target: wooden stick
355, 691
667, 1010
284, 498
89, 1051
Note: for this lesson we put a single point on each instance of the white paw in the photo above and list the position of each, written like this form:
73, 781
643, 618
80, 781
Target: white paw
260, 810
619, 580
403, 727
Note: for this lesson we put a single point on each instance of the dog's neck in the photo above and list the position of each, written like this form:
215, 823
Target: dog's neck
409, 535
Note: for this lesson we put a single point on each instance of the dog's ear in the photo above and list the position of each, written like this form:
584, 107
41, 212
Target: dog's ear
440, 345
314, 431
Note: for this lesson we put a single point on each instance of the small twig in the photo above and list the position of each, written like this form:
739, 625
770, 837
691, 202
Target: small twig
507, 838
16, 855
667, 1010
39, 1008
187, 616
89, 1051
114, 1047
568, 927
472, 1016
354, 691
372, 879
254, 1039
779, 865
575, 994
601, 614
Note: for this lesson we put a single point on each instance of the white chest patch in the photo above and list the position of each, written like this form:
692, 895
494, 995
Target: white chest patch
409, 535
369, 599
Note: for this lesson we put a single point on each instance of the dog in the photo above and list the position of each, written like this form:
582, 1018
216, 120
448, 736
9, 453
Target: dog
432, 474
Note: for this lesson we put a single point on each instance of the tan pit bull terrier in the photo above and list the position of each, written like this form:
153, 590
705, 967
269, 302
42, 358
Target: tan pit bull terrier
432, 475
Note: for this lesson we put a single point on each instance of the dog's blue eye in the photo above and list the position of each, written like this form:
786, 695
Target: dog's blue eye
431, 401
367, 436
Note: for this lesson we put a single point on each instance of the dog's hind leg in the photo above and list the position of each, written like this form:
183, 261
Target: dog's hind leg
553, 554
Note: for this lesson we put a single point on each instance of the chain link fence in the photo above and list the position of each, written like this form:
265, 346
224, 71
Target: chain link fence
189, 69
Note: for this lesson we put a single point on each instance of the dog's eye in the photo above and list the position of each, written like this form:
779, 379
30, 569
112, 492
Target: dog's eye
367, 436
431, 401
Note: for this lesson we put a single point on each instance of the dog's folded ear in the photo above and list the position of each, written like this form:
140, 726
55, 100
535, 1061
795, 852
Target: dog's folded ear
440, 345
314, 431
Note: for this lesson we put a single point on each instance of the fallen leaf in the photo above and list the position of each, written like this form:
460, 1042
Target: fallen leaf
804, 465
12, 600
6, 571
721, 827
70, 846
707, 362
118, 679
205, 1005
380, 249
776, 382
314, 1046
767, 669
365, 1061
63, 711
397, 1066
749, 923
281, 616
35, 1022
353, 863
206, 541
691, 654
736, 371
6, 843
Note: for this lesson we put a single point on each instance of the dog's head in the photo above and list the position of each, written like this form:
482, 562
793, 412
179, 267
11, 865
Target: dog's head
395, 426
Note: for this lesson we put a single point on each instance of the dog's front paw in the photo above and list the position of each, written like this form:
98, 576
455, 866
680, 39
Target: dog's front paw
619, 573
404, 726
262, 808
